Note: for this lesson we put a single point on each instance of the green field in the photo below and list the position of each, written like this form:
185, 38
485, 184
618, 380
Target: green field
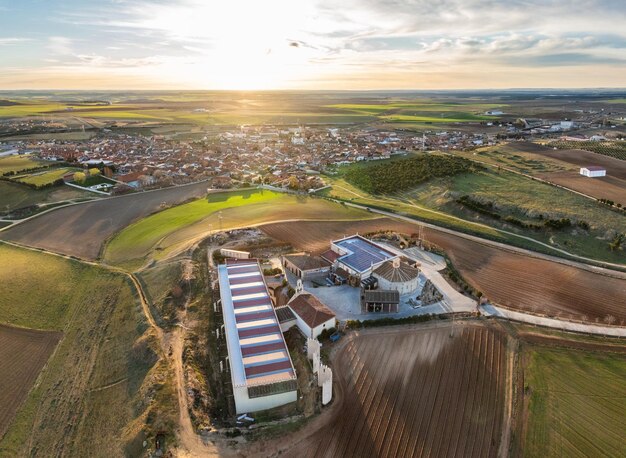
163, 233
29, 109
89, 394
577, 405
435, 201
44, 178
15, 195
17, 163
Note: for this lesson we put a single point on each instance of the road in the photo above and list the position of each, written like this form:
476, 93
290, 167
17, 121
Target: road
493, 310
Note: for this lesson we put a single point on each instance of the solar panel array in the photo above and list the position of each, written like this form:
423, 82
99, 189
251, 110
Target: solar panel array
362, 253
252, 326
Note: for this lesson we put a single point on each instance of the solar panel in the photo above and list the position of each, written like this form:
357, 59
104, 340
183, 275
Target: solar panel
362, 253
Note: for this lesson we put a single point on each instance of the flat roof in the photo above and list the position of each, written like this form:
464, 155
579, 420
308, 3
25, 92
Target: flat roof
257, 351
594, 168
361, 253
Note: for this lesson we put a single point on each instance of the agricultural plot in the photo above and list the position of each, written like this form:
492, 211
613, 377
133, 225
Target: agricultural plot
611, 149
17, 163
80, 230
162, 233
578, 157
89, 400
607, 187
575, 402
23, 353
513, 280
44, 178
428, 392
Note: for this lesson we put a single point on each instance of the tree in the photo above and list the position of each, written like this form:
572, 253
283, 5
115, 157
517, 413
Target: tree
80, 177
293, 182
94, 172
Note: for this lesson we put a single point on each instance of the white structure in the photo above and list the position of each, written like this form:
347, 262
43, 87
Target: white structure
324, 373
494, 112
593, 171
312, 317
398, 276
235, 254
261, 370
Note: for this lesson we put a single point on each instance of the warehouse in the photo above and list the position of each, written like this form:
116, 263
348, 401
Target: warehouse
261, 369
398, 276
593, 171
305, 266
358, 256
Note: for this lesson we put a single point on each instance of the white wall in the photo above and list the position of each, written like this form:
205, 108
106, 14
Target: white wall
313, 333
244, 404
402, 288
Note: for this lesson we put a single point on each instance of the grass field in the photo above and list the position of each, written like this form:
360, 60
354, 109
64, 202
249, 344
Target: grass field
16, 163
162, 232
44, 178
577, 403
15, 195
89, 394
509, 193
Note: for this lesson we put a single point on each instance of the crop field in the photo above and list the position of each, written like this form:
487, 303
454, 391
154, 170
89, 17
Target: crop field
17, 163
607, 187
418, 393
611, 149
513, 280
90, 392
80, 230
575, 401
44, 178
23, 353
166, 231
578, 157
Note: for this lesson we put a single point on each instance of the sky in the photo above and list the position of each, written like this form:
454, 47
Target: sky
312, 44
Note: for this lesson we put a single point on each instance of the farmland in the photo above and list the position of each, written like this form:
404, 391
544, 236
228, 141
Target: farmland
607, 187
90, 393
578, 157
427, 392
510, 279
17, 163
16, 196
575, 400
160, 234
80, 230
505, 193
611, 149
44, 178
23, 353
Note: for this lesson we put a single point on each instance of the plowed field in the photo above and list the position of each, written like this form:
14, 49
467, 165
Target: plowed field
607, 187
23, 353
513, 280
413, 393
80, 230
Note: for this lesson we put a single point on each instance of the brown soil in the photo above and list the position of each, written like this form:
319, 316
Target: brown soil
607, 187
413, 392
80, 230
614, 167
510, 279
23, 353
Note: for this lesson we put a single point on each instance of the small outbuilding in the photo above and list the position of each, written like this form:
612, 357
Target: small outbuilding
312, 316
593, 171
305, 266
380, 301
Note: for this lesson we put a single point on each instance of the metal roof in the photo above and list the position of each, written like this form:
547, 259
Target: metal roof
256, 347
361, 253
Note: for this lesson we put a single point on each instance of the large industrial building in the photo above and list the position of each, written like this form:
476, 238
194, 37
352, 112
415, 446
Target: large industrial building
357, 255
261, 369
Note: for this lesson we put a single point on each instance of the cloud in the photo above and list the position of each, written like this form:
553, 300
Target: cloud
8, 41
60, 45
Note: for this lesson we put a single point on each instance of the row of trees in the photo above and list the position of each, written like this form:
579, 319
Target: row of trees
403, 174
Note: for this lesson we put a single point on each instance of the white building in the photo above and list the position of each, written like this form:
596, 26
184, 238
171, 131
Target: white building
398, 276
311, 315
593, 171
261, 370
